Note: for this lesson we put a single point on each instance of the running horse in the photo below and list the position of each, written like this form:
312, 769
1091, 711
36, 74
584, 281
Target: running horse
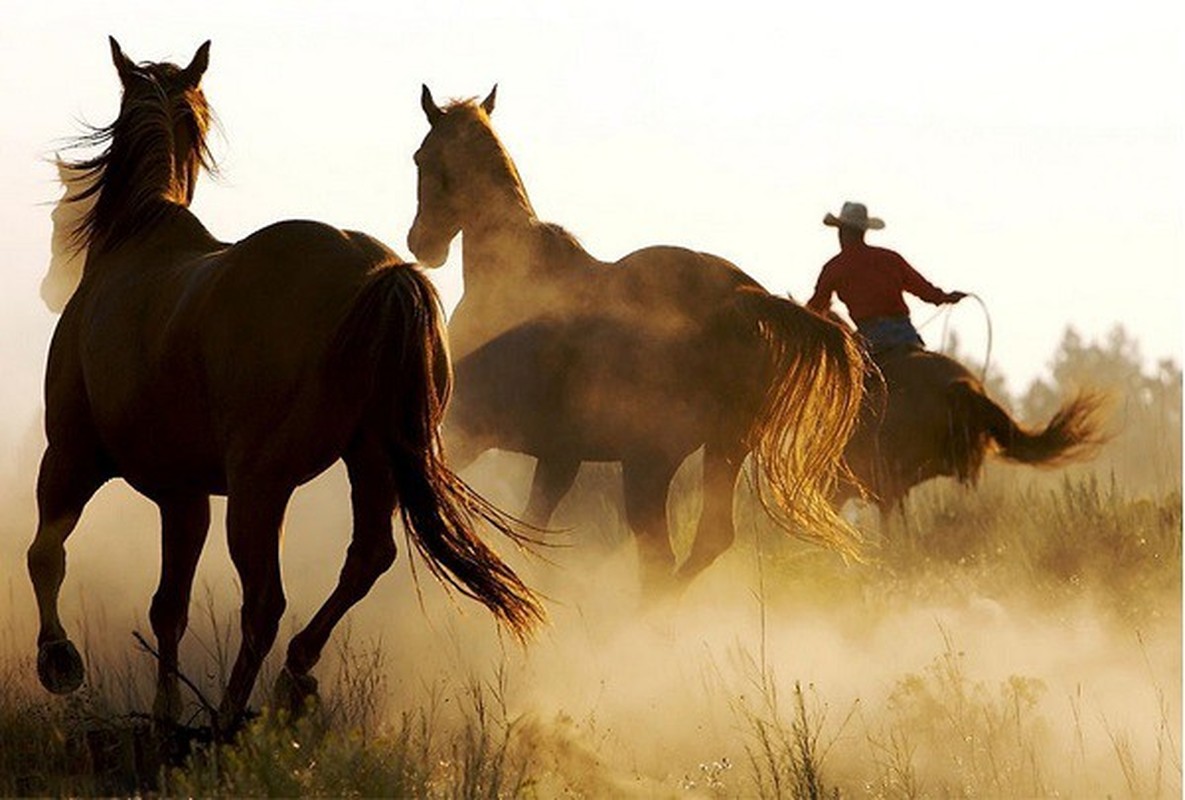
189, 368
642, 361
927, 416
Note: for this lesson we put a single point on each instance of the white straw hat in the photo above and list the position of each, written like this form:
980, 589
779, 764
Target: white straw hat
854, 215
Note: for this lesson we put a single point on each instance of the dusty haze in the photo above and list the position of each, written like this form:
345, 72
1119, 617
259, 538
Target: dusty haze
661, 700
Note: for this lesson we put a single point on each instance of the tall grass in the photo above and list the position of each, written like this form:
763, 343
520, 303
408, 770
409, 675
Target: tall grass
967, 738
94, 742
941, 730
1055, 539
785, 753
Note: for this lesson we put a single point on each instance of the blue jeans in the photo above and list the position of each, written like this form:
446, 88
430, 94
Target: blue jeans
882, 333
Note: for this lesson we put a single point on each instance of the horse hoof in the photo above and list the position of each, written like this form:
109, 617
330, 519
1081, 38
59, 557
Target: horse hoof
59, 666
293, 692
167, 706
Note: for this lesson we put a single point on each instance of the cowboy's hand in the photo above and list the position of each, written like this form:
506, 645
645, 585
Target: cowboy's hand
954, 297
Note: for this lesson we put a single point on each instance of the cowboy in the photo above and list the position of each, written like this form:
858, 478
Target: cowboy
871, 281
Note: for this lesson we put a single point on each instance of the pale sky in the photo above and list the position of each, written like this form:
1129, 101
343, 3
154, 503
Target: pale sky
1032, 153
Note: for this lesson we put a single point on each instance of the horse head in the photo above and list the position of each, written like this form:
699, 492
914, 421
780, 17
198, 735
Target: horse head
153, 151
464, 174
176, 92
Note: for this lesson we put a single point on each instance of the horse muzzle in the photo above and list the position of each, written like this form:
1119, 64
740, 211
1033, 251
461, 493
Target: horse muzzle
429, 250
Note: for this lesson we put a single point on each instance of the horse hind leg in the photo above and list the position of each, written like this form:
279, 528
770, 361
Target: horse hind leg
66, 482
715, 532
254, 517
185, 521
373, 495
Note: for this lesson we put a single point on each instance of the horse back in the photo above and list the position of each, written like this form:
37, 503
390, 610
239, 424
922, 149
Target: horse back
917, 371
198, 364
676, 277
660, 287
605, 388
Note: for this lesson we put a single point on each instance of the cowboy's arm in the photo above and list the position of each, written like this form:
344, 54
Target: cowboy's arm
915, 284
820, 301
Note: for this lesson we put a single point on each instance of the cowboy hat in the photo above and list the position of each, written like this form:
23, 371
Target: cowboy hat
854, 215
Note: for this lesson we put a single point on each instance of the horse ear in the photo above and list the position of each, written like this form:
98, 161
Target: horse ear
488, 104
123, 64
197, 67
431, 110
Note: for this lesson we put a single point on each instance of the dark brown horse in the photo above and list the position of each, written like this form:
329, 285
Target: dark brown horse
929, 417
640, 361
190, 367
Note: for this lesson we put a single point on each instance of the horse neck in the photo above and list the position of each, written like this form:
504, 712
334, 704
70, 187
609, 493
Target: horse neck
522, 256
495, 246
505, 248
496, 214
177, 236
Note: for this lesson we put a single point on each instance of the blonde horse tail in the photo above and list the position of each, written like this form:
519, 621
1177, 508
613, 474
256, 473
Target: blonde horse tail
812, 392
396, 324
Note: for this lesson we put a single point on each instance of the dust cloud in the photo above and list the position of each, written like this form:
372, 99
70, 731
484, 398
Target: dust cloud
946, 680
1046, 695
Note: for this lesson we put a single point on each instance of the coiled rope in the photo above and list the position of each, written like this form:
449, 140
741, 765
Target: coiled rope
945, 311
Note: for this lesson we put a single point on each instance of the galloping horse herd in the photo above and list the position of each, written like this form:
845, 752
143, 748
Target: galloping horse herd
190, 367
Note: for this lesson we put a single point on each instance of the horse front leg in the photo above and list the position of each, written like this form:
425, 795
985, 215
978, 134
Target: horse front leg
552, 480
185, 522
715, 532
254, 517
373, 496
646, 480
67, 480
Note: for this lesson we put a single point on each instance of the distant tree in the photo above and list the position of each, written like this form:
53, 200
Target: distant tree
1144, 404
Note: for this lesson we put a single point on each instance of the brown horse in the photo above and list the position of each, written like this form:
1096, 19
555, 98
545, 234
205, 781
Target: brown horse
190, 367
928, 416
641, 361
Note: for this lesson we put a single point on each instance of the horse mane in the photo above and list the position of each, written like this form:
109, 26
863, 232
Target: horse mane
484, 143
559, 245
145, 169
67, 257
469, 124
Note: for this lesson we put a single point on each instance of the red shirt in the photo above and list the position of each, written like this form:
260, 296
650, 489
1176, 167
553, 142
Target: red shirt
870, 282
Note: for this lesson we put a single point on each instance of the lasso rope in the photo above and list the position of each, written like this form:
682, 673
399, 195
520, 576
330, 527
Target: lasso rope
945, 310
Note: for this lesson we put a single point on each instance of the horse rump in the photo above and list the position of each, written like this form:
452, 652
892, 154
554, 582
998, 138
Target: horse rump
394, 335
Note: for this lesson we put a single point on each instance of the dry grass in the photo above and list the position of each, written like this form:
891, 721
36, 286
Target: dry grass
1070, 548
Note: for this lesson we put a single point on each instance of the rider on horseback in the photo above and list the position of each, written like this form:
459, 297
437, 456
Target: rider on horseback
870, 281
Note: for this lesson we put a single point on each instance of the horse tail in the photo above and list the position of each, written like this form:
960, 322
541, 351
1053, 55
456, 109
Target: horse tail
1072, 434
812, 387
394, 333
